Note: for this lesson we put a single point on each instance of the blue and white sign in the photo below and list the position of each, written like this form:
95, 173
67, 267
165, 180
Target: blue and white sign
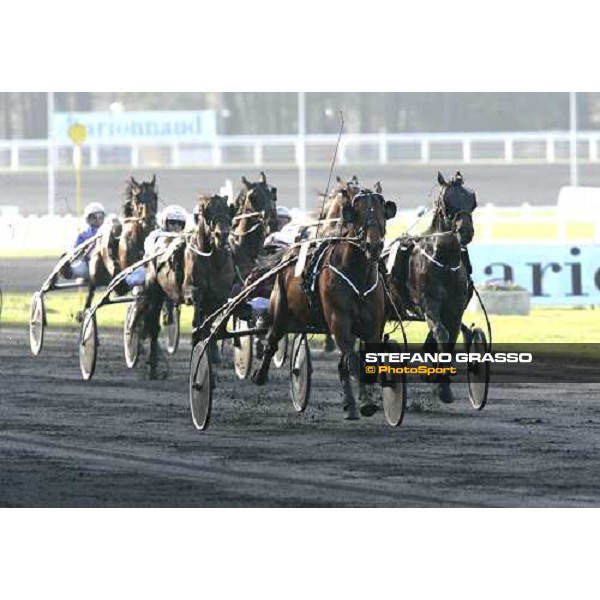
147, 126
554, 274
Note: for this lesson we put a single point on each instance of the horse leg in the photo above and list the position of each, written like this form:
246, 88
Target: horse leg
152, 308
329, 343
88, 302
368, 405
279, 316
348, 364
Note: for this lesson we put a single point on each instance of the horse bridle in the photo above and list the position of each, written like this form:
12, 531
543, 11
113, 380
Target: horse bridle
371, 220
450, 221
207, 225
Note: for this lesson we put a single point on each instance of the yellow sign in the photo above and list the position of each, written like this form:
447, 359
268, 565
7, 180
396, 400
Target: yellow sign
78, 133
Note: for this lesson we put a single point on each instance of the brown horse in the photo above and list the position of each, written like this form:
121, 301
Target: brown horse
349, 293
196, 269
209, 266
256, 218
122, 243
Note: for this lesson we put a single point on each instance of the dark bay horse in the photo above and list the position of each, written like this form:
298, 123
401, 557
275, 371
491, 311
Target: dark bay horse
197, 269
255, 219
349, 293
431, 275
122, 243
209, 265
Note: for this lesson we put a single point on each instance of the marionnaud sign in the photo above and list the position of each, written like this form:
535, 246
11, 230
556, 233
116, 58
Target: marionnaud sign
144, 126
554, 274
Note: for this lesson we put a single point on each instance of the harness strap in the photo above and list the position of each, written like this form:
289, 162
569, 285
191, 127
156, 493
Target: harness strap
243, 233
437, 262
351, 284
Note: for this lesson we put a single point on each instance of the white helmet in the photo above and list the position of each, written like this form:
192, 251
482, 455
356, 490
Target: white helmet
92, 209
284, 213
173, 213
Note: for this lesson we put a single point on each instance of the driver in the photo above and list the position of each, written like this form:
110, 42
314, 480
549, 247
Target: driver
172, 221
93, 216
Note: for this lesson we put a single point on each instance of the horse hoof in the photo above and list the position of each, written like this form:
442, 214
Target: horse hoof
445, 393
329, 344
350, 413
368, 410
258, 378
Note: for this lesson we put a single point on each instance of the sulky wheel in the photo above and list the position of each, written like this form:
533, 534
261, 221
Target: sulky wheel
131, 336
394, 402
37, 323
242, 350
88, 345
200, 386
281, 354
171, 322
300, 372
478, 374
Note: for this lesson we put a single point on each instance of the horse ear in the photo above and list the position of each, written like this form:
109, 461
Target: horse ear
153, 182
134, 182
263, 177
389, 210
378, 188
354, 179
348, 213
441, 179
246, 182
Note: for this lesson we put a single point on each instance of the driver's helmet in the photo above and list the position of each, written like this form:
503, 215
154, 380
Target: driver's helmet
284, 216
94, 209
173, 215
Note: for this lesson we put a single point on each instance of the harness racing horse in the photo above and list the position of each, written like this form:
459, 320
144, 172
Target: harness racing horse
349, 293
209, 266
332, 222
196, 269
256, 218
122, 243
431, 272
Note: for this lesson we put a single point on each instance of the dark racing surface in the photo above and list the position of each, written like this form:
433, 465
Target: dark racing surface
121, 440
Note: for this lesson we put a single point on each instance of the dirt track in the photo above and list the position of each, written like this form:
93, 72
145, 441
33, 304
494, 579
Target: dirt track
124, 441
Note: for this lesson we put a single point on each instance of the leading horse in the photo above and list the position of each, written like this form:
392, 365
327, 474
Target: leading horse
430, 276
348, 297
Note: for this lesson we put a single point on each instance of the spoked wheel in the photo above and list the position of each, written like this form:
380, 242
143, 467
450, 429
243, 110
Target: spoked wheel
242, 350
394, 402
171, 321
281, 354
200, 386
478, 374
88, 345
37, 323
300, 372
131, 336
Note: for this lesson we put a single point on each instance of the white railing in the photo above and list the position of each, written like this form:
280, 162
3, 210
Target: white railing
360, 149
523, 224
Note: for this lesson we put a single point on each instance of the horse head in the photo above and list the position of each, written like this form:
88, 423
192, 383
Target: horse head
214, 220
454, 208
366, 214
260, 197
144, 199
